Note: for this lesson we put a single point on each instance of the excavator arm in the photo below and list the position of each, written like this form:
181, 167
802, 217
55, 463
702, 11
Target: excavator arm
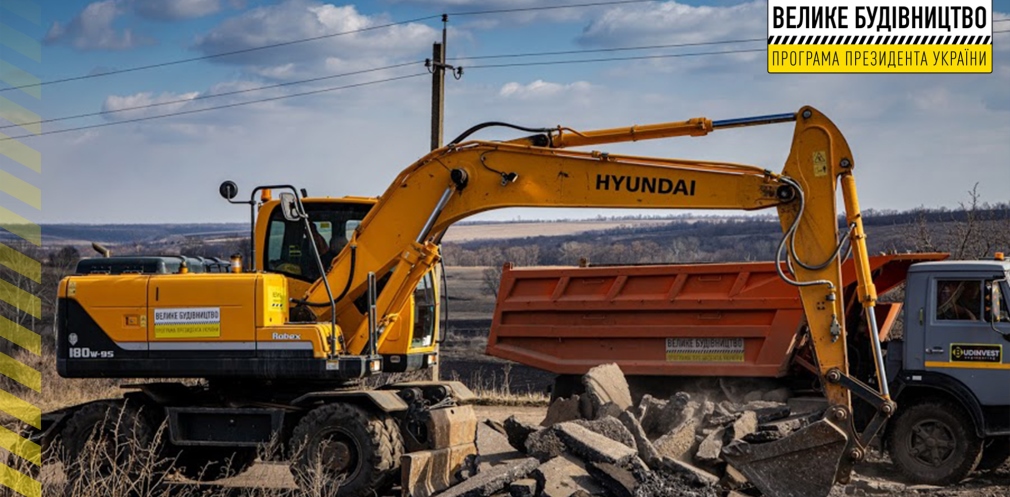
396, 244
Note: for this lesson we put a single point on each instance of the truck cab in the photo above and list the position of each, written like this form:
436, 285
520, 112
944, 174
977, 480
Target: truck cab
950, 371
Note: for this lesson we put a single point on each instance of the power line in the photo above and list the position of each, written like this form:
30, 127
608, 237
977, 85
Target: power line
395, 66
612, 59
215, 56
334, 76
549, 7
306, 40
599, 50
218, 107
208, 96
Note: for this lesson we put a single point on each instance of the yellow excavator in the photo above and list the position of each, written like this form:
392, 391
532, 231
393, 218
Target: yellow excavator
281, 344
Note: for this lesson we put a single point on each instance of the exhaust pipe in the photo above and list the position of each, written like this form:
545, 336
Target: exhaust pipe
101, 249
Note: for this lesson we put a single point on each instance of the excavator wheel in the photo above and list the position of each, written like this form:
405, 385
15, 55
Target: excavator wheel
995, 453
114, 442
934, 442
213, 463
343, 450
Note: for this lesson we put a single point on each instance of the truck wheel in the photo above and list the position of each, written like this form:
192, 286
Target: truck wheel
342, 450
213, 463
566, 385
995, 453
934, 443
111, 439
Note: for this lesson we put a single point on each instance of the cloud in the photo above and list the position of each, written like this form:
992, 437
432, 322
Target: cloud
93, 29
119, 106
899, 126
173, 10
671, 22
299, 19
494, 18
540, 89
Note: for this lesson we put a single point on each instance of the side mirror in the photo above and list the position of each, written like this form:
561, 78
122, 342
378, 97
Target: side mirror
995, 303
228, 190
289, 207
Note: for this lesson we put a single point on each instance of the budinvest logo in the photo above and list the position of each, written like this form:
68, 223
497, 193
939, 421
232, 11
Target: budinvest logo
975, 352
888, 36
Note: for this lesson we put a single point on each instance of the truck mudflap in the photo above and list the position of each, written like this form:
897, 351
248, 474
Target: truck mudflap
803, 464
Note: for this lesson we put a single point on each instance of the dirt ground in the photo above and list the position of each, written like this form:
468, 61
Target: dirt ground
875, 477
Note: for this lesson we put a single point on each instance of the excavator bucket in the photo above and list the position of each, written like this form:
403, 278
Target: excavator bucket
802, 464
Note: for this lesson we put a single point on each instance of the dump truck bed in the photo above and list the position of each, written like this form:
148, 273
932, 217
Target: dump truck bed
722, 319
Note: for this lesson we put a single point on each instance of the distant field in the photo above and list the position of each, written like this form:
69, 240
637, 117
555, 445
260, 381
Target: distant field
83, 235
503, 231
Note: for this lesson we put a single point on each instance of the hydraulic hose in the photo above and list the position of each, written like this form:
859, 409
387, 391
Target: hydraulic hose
347, 287
788, 236
489, 124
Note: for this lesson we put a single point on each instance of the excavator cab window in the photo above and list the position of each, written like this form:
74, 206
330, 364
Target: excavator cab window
287, 243
424, 313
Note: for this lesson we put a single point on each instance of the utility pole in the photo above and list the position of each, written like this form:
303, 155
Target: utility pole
438, 87
437, 66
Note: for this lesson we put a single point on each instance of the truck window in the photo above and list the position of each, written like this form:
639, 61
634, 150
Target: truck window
958, 300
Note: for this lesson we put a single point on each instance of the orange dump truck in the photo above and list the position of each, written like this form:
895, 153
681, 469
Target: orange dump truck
722, 319
674, 323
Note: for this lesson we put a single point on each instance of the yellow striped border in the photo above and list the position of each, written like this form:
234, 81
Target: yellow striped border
20, 269
909, 58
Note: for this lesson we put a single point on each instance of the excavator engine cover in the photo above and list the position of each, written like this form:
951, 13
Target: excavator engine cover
802, 464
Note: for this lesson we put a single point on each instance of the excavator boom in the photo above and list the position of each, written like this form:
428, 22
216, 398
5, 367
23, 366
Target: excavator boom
396, 244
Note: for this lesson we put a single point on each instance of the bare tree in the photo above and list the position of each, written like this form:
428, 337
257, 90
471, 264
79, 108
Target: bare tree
976, 230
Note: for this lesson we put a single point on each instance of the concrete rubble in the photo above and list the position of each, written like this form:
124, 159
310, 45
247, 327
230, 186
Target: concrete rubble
601, 443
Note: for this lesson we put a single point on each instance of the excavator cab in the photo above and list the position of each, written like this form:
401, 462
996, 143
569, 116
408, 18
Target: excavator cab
285, 246
332, 223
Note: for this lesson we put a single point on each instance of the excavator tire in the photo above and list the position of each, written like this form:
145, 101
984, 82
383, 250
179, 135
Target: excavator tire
343, 450
933, 442
995, 453
111, 440
213, 463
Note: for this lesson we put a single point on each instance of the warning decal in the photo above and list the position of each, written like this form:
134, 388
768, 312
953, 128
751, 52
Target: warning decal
704, 349
196, 322
976, 352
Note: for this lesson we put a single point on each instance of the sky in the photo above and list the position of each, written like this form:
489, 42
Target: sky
918, 140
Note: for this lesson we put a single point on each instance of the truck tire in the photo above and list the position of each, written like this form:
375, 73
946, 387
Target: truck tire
934, 442
116, 438
213, 463
995, 453
566, 385
343, 450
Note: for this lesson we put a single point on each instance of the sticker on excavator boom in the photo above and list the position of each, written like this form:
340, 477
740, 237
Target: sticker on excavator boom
820, 163
976, 352
194, 322
704, 349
